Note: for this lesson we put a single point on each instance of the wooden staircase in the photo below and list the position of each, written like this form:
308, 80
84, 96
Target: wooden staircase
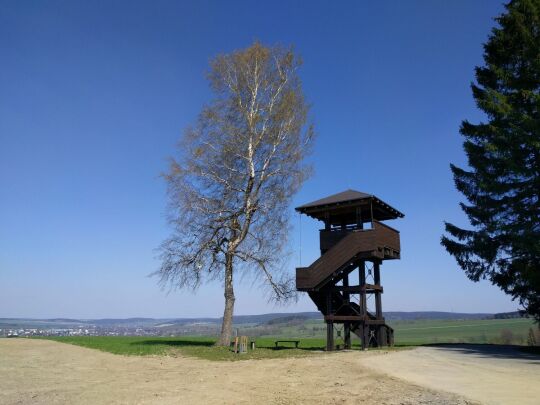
379, 243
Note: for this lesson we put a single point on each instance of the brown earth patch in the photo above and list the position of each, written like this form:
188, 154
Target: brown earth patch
47, 372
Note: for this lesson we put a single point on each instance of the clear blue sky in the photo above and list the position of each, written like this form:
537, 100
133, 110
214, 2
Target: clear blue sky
95, 94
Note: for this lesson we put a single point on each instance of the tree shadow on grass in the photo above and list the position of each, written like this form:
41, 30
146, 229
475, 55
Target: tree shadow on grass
174, 343
198, 343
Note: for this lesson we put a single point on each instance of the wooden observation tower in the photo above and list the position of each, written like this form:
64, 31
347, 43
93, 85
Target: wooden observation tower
353, 241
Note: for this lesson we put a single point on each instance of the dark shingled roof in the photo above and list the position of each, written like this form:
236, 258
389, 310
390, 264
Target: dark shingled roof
348, 198
344, 196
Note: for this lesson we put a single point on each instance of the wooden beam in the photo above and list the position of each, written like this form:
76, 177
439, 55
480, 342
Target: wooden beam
374, 321
358, 288
332, 318
353, 318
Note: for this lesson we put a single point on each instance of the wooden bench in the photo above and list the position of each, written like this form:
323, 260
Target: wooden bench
296, 342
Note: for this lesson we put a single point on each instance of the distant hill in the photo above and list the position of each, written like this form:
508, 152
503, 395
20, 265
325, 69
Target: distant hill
403, 316
264, 318
124, 321
292, 319
272, 318
509, 315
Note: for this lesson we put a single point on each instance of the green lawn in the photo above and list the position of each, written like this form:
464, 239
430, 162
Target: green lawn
191, 346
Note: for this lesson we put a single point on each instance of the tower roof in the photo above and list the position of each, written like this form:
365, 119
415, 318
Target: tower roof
342, 206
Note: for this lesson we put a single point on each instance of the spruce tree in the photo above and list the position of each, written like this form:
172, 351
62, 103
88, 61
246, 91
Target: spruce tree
502, 181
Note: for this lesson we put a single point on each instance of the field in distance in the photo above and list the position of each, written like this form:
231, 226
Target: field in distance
492, 331
419, 332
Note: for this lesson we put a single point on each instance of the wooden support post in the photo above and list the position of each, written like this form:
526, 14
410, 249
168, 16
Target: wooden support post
347, 337
359, 222
380, 336
347, 301
363, 303
365, 336
378, 300
346, 294
329, 324
329, 336
327, 224
329, 302
371, 212
362, 280
378, 303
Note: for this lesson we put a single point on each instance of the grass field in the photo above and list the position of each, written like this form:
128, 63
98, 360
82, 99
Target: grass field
191, 346
407, 333
494, 331
418, 332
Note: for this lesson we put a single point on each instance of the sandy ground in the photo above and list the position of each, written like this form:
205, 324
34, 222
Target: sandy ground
46, 372
490, 374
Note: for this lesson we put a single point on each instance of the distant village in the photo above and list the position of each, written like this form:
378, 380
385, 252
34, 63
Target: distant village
93, 330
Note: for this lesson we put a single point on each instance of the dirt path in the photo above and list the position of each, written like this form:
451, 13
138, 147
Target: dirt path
490, 374
46, 372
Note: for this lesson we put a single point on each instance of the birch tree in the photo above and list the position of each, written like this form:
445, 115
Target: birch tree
231, 183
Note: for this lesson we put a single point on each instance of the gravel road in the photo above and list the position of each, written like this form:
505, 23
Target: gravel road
486, 373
